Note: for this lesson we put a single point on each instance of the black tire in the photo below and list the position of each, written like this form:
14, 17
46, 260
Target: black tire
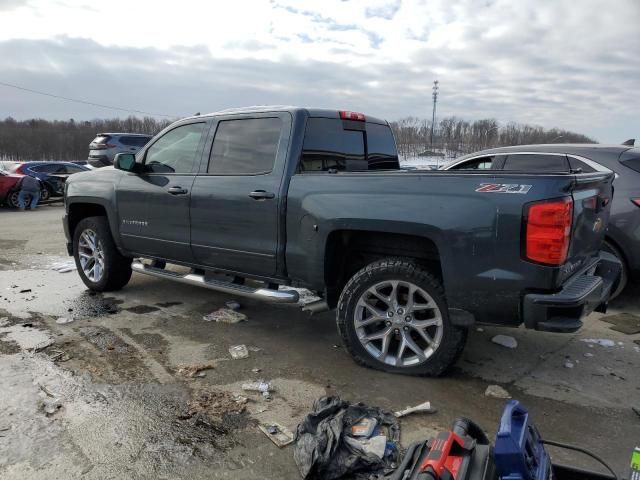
452, 338
117, 268
45, 193
12, 199
624, 274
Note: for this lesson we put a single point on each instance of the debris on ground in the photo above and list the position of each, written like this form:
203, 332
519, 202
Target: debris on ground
626, 323
238, 351
64, 320
256, 370
216, 403
254, 349
278, 434
364, 428
195, 370
26, 290
59, 355
588, 354
233, 305
480, 329
64, 267
323, 451
265, 388
4, 321
422, 408
603, 342
42, 345
50, 406
568, 364
505, 341
496, 391
225, 315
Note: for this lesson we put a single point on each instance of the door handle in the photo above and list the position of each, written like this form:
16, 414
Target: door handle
177, 191
261, 195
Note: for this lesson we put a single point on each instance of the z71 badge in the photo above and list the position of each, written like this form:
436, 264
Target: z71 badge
503, 188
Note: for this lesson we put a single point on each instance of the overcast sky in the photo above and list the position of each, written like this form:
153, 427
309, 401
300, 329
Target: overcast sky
571, 64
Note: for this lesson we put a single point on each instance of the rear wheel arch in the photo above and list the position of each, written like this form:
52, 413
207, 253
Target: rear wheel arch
347, 251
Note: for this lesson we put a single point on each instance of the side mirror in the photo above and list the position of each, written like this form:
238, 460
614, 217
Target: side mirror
125, 161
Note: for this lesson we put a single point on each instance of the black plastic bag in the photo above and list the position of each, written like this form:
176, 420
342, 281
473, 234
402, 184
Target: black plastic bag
320, 450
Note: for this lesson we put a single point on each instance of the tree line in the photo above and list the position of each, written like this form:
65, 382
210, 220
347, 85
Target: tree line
453, 136
39, 139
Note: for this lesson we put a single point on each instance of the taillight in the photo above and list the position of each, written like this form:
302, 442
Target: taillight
345, 115
548, 231
636, 201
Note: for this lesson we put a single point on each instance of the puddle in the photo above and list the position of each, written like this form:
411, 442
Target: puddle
140, 309
168, 304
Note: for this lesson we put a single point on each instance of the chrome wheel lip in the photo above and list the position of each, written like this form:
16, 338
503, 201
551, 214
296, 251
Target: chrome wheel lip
91, 255
393, 335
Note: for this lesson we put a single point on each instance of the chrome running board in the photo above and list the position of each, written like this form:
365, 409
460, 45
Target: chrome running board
265, 294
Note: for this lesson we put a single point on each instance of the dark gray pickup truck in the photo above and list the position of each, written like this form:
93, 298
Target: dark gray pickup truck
254, 200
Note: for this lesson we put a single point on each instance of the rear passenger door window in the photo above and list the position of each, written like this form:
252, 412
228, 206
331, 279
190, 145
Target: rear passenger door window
245, 146
534, 162
175, 151
483, 163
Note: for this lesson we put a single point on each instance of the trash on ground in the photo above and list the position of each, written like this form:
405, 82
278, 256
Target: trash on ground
59, 355
195, 370
588, 354
254, 349
278, 434
256, 370
50, 406
4, 321
64, 267
265, 388
238, 351
505, 341
233, 305
422, 408
364, 428
374, 445
42, 345
63, 320
323, 451
225, 315
627, 323
603, 342
26, 290
479, 329
568, 364
216, 403
496, 391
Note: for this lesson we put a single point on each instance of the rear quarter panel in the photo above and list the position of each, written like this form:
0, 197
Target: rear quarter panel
478, 234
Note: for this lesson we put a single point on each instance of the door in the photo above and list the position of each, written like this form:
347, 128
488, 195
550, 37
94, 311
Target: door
153, 205
236, 199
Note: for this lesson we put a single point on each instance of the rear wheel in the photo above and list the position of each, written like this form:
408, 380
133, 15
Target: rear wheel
392, 316
100, 265
624, 274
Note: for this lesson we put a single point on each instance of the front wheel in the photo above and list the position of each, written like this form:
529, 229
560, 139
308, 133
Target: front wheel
45, 194
392, 316
100, 265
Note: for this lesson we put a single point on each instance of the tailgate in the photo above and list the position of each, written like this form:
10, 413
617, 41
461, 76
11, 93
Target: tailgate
592, 194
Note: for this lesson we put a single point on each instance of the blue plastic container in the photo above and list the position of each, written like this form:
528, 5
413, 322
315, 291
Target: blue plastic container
519, 452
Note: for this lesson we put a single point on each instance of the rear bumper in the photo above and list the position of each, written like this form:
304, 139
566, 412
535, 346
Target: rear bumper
100, 161
580, 295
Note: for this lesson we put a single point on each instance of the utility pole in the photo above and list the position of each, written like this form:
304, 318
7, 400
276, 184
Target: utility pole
433, 117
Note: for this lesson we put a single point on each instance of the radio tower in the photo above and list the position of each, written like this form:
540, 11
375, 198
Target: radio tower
435, 100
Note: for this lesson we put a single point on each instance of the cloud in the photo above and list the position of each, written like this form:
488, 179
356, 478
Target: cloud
386, 10
512, 62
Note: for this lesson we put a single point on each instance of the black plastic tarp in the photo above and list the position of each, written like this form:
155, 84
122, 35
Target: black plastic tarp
321, 452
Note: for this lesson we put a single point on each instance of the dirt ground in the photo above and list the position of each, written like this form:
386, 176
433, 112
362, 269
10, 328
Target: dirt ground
91, 385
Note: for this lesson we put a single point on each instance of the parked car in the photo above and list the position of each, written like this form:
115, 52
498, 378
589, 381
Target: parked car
623, 235
52, 175
8, 188
106, 145
256, 198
